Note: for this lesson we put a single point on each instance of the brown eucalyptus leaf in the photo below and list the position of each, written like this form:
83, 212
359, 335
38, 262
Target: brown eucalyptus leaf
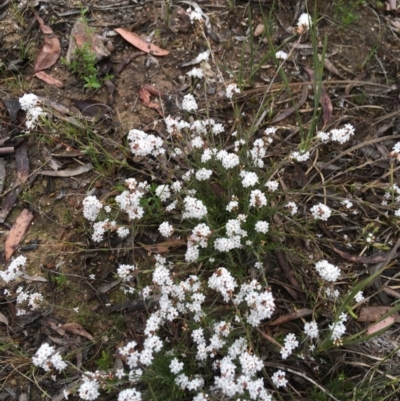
140, 43
49, 79
78, 329
374, 313
384, 324
17, 233
48, 54
164, 247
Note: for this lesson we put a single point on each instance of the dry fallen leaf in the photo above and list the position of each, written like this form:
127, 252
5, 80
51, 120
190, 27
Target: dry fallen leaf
49, 79
140, 43
144, 96
164, 247
68, 172
374, 313
48, 54
78, 329
17, 232
3, 319
384, 324
260, 28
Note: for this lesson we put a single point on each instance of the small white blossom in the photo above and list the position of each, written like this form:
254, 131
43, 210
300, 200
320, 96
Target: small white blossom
311, 329
272, 185
281, 55
292, 207
257, 198
262, 227
249, 179
203, 174
300, 156
359, 296
196, 73
166, 229
321, 212
231, 89
279, 379
189, 103
327, 271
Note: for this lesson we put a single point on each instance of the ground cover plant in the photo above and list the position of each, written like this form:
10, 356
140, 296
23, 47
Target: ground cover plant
227, 232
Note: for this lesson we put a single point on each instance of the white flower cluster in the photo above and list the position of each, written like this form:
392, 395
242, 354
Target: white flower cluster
29, 103
89, 389
194, 15
234, 235
327, 271
197, 239
32, 300
163, 192
13, 270
301, 156
257, 198
249, 178
126, 272
269, 132
311, 329
46, 358
272, 185
231, 89
257, 153
279, 378
129, 201
228, 160
290, 343
196, 73
341, 135
359, 296
321, 212
91, 207
189, 103
262, 227
143, 144
223, 282
304, 23
193, 208
281, 55
292, 208
338, 328
166, 229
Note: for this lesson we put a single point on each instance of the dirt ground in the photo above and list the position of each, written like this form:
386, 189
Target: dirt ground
360, 77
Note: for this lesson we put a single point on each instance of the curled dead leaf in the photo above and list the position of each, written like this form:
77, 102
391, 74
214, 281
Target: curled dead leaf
144, 96
49, 79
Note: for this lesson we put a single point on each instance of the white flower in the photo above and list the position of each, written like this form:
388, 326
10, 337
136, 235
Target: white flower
300, 156
323, 136
228, 160
163, 192
347, 203
194, 15
91, 208
262, 227
129, 394
342, 135
359, 296
223, 282
281, 55
249, 179
311, 329
28, 101
292, 207
231, 89
257, 198
338, 328
175, 366
197, 142
89, 390
196, 73
193, 208
200, 235
203, 174
47, 357
290, 344
14, 270
143, 144
232, 205
327, 271
321, 212
126, 271
166, 229
272, 185
304, 23
123, 232
189, 103
279, 378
